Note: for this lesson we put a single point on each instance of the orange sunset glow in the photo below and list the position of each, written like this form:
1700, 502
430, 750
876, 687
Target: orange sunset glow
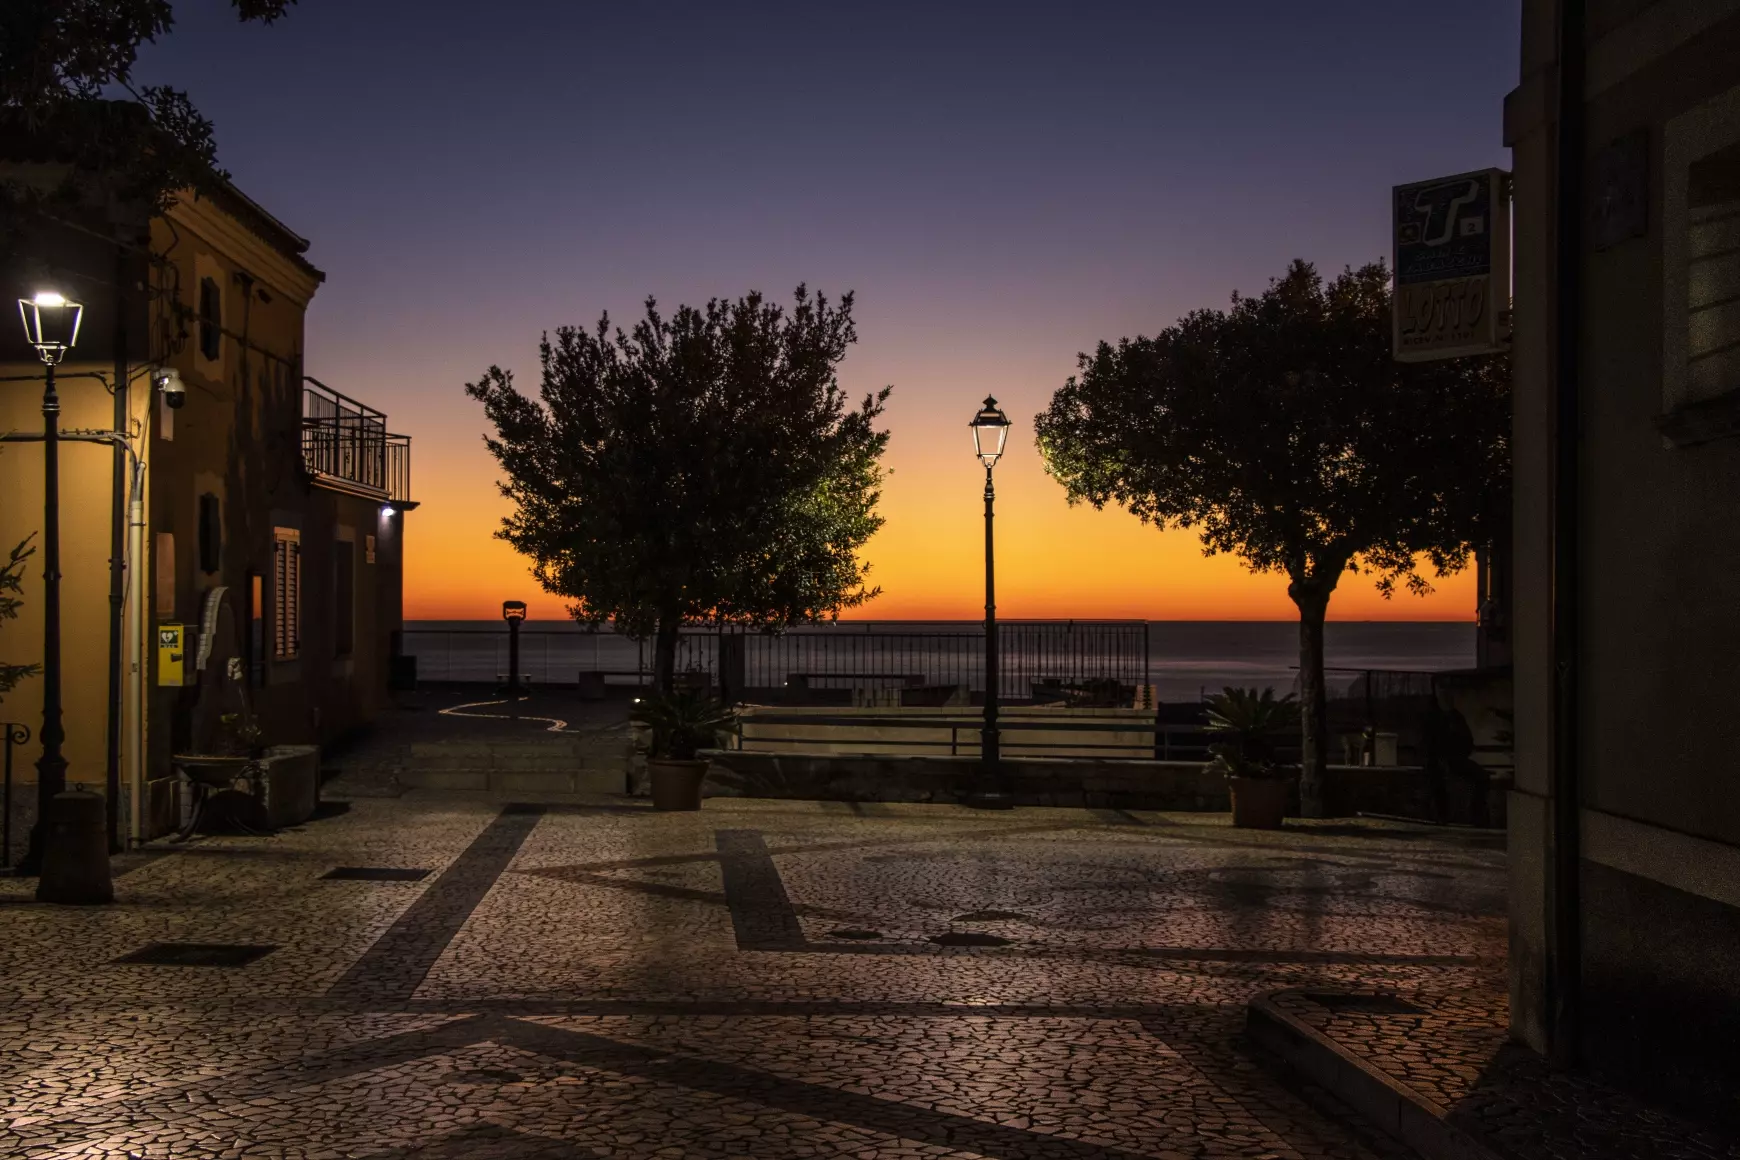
1053, 561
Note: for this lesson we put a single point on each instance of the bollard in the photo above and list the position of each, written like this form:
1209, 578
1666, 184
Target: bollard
75, 858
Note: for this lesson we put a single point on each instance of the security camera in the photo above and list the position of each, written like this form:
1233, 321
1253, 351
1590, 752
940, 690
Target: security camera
174, 390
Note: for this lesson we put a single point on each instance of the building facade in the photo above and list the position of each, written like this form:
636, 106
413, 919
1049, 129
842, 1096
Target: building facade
1625, 819
267, 533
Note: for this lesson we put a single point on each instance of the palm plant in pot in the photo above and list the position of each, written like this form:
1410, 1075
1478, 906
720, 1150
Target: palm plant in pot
1246, 727
679, 725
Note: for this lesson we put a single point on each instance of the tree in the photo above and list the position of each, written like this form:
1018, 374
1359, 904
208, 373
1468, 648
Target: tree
61, 62
1285, 433
701, 468
11, 575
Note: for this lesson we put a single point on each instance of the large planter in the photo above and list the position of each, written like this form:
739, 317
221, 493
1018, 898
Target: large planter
1259, 803
676, 785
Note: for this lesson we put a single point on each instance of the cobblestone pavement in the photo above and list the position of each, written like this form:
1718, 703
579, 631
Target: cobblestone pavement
763, 979
1450, 1045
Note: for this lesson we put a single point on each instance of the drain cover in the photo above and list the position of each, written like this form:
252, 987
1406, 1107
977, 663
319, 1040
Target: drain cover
1375, 1004
376, 874
861, 935
992, 916
969, 938
197, 954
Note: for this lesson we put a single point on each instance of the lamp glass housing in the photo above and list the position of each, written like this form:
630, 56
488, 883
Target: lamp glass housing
51, 323
513, 610
990, 432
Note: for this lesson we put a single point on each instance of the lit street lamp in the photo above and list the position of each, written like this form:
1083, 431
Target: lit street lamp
51, 325
990, 433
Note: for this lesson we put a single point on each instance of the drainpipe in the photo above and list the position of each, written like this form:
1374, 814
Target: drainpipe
134, 631
1566, 951
117, 566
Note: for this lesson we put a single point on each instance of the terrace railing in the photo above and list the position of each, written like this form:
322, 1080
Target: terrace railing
1040, 659
346, 445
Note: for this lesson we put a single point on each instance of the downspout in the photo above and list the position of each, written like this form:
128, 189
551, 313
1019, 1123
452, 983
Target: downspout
134, 632
1566, 950
117, 566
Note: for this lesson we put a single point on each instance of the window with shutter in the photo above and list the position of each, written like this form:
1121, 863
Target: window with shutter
286, 593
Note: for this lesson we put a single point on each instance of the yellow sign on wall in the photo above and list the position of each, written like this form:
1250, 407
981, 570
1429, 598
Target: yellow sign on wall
171, 653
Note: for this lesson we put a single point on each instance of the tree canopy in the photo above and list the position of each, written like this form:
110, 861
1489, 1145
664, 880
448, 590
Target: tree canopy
705, 467
1283, 431
62, 63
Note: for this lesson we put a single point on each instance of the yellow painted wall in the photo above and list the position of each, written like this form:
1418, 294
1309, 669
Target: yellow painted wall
84, 512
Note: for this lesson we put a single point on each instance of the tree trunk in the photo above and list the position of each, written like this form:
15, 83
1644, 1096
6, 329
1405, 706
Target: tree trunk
1313, 704
665, 654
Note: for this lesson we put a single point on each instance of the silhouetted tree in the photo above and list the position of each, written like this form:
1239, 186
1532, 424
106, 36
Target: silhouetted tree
1284, 432
11, 574
62, 63
705, 467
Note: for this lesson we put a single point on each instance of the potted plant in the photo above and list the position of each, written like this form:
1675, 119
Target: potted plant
1246, 726
680, 724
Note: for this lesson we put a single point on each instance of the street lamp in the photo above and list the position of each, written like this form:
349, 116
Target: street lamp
990, 434
51, 325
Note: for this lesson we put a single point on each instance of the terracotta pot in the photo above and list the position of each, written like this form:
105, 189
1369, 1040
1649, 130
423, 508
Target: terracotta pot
1259, 803
676, 785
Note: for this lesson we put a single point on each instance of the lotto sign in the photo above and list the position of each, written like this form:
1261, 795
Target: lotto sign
1452, 265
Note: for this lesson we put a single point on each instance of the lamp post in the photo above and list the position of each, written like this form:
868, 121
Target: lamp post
51, 325
990, 433
513, 611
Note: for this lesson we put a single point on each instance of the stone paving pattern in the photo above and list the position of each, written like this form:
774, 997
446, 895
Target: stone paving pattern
1450, 1046
757, 979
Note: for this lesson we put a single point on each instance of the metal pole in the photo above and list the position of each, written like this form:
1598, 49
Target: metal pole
514, 658
117, 563
51, 766
990, 748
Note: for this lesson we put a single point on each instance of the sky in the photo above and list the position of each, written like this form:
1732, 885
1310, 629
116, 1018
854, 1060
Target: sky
1002, 184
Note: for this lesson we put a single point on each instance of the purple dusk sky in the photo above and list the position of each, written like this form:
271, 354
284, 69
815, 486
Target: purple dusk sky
1002, 184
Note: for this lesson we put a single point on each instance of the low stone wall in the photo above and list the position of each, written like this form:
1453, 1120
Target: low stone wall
1400, 791
290, 777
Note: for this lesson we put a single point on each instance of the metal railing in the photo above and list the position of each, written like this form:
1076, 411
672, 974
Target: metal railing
347, 442
1036, 656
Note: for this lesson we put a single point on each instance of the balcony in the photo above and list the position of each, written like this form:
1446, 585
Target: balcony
346, 447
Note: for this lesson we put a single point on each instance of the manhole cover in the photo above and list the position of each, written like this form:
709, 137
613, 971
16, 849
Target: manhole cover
197, 954
1374, 1004
969, 938
992, 916
860, 935
376, 874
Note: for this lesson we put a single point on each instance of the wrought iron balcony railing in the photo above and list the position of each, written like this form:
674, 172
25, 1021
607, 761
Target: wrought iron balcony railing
346, 445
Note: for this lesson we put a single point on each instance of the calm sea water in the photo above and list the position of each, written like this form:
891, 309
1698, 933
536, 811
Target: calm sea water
1183, 658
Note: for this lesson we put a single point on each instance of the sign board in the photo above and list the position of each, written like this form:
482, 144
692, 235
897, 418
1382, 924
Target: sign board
171, 654
1452, 266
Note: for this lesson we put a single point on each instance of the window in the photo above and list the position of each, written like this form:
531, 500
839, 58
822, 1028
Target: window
211, 533
1713, 274
344, 597
286, 593
211, 309
1700, 217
